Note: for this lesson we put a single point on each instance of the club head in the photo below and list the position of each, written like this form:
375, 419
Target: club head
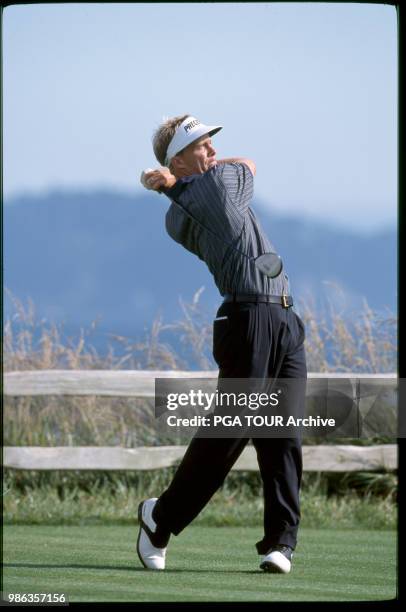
269, 264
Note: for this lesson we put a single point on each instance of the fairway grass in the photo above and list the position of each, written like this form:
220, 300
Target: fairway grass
100, 563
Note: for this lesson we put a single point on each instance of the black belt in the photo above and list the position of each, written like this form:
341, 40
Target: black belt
284, 300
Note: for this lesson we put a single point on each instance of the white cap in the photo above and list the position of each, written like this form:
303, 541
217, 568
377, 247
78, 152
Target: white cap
189, 130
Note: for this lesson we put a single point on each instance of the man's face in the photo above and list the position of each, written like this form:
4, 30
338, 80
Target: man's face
197, 158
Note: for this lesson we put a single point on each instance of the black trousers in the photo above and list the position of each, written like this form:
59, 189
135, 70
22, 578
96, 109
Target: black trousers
255, 340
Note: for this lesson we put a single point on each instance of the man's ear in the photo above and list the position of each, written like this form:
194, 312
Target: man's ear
177, 164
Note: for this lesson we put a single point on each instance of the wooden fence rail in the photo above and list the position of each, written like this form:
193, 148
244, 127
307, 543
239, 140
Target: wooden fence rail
326, 458
131, 383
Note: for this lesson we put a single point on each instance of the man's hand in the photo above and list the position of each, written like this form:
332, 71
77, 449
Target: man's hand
157, 179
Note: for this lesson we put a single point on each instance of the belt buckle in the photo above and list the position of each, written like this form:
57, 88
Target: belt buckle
285, 301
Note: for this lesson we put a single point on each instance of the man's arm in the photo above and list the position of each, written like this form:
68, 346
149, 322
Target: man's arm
239, 160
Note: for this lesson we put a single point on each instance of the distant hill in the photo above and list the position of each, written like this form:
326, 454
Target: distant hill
82, 255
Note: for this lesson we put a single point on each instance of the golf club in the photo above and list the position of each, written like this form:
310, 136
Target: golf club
269, 264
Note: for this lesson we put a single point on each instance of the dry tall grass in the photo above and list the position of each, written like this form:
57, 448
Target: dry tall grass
365, 342
335, 342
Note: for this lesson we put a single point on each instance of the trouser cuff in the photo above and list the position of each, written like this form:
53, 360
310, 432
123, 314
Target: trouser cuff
161, 520
287, 537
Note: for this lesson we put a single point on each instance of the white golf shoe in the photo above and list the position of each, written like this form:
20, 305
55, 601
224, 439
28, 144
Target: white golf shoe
278, 560
152, 557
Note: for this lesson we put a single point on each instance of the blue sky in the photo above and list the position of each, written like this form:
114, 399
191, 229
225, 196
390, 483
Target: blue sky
308, 91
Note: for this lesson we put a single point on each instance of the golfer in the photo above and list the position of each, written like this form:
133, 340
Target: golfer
256, 334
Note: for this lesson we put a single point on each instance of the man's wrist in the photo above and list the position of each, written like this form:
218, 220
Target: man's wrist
230, 160
170, 182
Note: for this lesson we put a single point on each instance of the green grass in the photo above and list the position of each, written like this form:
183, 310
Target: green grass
99, 563
230, 507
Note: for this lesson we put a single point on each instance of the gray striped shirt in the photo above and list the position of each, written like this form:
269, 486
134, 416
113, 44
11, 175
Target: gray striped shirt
219, 200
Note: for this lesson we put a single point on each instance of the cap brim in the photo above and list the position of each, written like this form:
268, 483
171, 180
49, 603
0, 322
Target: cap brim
209, 130
215, 129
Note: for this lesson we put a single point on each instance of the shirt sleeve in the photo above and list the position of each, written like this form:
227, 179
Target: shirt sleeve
238, 182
